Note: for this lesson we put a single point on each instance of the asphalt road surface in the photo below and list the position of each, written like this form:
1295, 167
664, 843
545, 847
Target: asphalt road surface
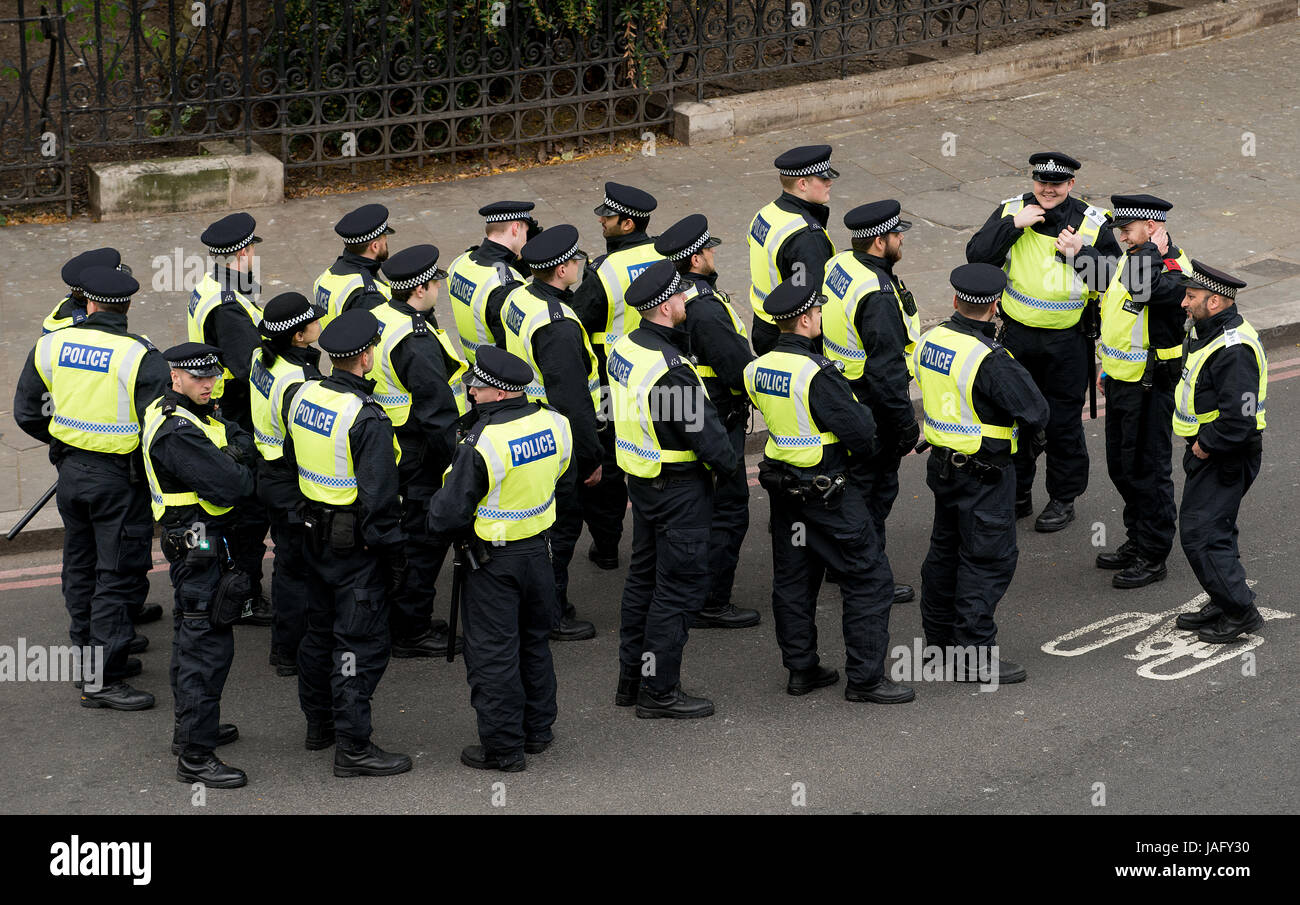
1115, 697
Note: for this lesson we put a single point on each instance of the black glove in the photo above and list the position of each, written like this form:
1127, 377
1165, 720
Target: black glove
907, 439
237, 455
394, 563
1038, 443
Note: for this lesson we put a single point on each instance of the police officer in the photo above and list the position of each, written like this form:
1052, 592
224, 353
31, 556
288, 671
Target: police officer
870, 324
284, 361
978, 402
223, 312
501, 492
790, 230
543, 330
343, 447
480, 279
417, 376
1042, 312
1219, 410
820, 518
668, 436
600, 302
720, 347
83, 390
72, 308
1141, 343
199, 466
354, 278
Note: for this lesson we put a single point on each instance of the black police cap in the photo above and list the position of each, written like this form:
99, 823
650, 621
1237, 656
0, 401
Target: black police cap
288, 312
625, 201
1128, 208
1053, 166
413, 267
552, 247
502, 211
350, 334
978, 284
231, 233
789, 300
365, 224
1203, 276
108, 285
688, 236
654, 286
98, 257
199, 359
807, 160
500, 370
866, 221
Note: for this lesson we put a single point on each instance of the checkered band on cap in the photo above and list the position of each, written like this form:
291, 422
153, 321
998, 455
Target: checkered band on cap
282, 326
555, 262
367, 237
878, 230
978, 299
809, 302
202, 361
811, 170
508, 215
673, 287
432, 273
1051, 166
230, 249
355, 352
106, 299
492, 380
1228, 292
1139, 213
690, 249
624, 209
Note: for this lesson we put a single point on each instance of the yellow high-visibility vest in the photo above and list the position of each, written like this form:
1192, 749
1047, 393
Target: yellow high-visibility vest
633, 371
319, 421
524, 313
525, 459
91, 376
266, 401
159, 499
54, 321
1041, 290
768, 231
395, 326
946, 362
332, 289
469, 285
848, 281
1125, 336
616, 273
1187, 420
779, 384
206, 297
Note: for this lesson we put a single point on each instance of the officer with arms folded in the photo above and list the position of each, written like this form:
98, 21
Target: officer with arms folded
820, 518
978, 401
199, 467
668, 437
1219, 411
342, 445
83, 390
480, 279
354, 278
501, 490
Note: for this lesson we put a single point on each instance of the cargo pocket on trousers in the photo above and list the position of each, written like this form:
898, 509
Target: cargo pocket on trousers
687, 551
361, 611
994, 534
135, 549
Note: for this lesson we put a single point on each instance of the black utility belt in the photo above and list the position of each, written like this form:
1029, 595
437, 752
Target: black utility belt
986, 472
197, 541
799, 483
333, 528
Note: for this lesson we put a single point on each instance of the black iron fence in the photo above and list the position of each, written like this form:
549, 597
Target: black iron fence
324, 83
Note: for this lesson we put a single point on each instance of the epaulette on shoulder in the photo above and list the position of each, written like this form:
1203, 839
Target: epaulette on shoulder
419, 324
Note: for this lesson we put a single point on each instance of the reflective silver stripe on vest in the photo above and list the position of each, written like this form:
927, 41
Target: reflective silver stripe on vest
400, 333
647, 448
498, 469
609, 275
772, 248
1139, 354
1074, 303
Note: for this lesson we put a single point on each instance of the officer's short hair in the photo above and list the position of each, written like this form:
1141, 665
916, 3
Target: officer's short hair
114, 307
497, 227
359, 248
548, 273
969, 310
402, 295
684, 265
641, 223
789, 182
863, 243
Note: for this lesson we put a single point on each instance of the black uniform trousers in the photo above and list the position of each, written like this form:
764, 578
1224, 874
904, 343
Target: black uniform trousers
972, 556
201, 654
411, 611
1139, 458
836, 539
1057, 360
605, 505
345, 650
879, 483
564, 536
510, 609
1207, 524
107, 554
247, 539
277, 487
668, 576
730, 524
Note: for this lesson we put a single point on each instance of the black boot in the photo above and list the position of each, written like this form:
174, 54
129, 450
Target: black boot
1140, 574
1055, 516
674, 705
1024, 506
150, 612
139, 644
118, 696
226, 733
1230, 628
537, 746
729, 616
368, 760
882, 691
604, 559
432, 643
480, 758
319, 736
1206, 615
210, 771
629, 687
904, 593
572, 628
261, 614
803, 681
1008, 673
1121, 557
285, 663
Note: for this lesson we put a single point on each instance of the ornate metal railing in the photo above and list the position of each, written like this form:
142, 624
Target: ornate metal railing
324, 83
